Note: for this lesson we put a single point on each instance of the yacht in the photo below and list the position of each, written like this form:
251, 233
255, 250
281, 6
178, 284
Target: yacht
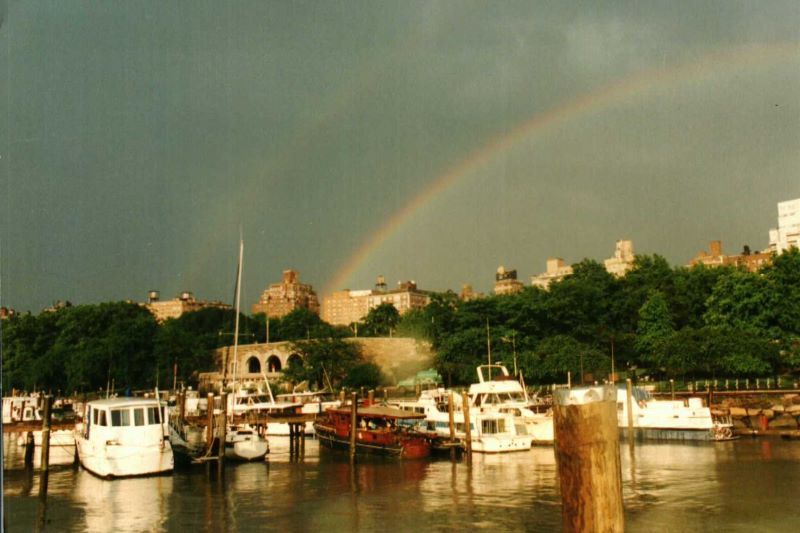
62, 446
669, 419
497, 391
21, 409
124, 437
490, 431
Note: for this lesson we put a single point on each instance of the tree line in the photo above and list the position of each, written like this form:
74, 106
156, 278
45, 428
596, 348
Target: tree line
657, 320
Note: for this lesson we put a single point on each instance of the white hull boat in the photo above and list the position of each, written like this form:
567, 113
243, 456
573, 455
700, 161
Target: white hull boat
62, 447
243, 443
124, 437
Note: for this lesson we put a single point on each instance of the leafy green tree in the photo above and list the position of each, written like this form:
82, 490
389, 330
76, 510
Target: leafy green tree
744, 301
366, 375
655, 325
556, 356
380, 321
323, 360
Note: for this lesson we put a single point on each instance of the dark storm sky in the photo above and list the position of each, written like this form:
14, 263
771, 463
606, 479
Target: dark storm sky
139, 136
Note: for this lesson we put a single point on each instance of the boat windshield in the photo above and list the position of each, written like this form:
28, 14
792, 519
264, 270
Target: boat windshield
641, 395
493, 426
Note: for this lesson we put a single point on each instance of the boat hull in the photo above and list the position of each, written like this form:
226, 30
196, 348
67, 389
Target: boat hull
250, 450
406, 448
111, 461
62, 447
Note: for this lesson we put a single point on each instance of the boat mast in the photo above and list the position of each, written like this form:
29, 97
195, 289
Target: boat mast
489, 348
236, 321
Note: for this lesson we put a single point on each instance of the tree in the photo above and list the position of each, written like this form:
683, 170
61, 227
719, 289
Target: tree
363, 375
324, 359
380, 321
655, 325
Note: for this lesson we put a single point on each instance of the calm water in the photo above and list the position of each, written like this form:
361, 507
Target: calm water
745, 485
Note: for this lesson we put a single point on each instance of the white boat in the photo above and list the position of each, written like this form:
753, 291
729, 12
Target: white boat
497, 391
21, 409
311, 403
62, 446
490, 431
669, 419
243, 443
124, 437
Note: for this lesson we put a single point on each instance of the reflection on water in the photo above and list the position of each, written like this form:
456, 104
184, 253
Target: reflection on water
744, 485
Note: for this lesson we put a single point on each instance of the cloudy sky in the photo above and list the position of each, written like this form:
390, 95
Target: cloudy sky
428, 140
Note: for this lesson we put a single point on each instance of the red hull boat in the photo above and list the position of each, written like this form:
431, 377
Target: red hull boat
380, 430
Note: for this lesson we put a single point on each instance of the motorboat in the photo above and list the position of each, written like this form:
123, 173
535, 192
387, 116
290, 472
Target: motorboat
669, 419
497, 391
62, 446
21, 409
490, 431
380, 430
243, 443
122, 437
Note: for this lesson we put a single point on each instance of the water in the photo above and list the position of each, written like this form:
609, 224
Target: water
744, 485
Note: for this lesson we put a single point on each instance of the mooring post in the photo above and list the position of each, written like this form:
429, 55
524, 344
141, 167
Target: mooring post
341, 397
385, 395
30, 446
370, 397
587, 455
182, 408
629, 406
210, 421
418, 390
223, 425
353, 424
467, 427
710, 395
46, 414
452, 423
672, 388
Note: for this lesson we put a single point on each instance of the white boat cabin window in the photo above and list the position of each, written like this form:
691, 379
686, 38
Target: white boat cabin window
101, 417
138, 416
460, 426
120, 417
493, 426
152, 415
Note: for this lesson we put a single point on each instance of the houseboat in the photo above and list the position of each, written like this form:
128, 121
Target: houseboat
123, 437
380, 430
669, 419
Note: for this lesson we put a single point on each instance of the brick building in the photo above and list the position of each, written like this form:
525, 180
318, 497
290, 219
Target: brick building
280, 299
186, 302
556, 271
348, 306
622, 262
505, 281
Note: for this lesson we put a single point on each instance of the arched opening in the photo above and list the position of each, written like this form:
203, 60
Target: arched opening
293, 360
254, 365
273, 364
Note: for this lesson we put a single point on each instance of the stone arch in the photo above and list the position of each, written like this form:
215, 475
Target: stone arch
294, 359
274, 363
253, 365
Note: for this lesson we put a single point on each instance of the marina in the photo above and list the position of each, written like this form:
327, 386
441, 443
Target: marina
742, 485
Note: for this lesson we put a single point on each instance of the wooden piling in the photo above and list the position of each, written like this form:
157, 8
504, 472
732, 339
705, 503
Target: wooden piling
467, 427
629, 406
182, 408
710, 395
587, 455
341, 397
385, 395
209, 421
452, 424
30, 446
353, 424
223, 425
46, 415
672, 388
370, 397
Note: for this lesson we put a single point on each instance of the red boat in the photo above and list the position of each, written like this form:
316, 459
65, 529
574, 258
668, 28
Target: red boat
381, 430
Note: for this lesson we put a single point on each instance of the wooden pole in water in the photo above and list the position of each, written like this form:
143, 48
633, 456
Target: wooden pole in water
182, 408
46, 413
385, 395
353, 425
672, 388
223, 426
30, 446
710, 394
629, 406
341, 397
209, 421
452, 423
587, 455
467, 427
370, 397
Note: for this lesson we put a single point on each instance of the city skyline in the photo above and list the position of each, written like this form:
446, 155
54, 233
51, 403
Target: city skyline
415, 140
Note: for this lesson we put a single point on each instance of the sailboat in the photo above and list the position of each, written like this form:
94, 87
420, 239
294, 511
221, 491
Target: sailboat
242, 441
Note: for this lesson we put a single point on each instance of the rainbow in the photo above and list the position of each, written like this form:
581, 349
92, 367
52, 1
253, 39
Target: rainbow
595, 101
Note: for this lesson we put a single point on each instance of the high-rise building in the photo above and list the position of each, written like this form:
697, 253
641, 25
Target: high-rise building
556, 271
505, 281
348, 306
787, 234
280, 299
623, 258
